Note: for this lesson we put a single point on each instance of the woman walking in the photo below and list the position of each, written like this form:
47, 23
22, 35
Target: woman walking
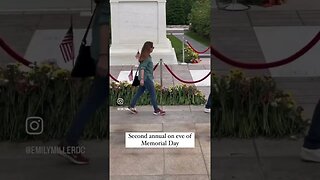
98, 93
146, 80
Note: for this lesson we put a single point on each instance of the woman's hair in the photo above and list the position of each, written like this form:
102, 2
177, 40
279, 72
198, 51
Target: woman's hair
145, 51
97, 1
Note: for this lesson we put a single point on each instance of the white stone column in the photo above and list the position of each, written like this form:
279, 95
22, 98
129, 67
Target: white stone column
162, 22
132, 23
114, 21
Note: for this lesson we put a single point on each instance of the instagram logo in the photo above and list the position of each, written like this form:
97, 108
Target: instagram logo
120, 101
34, 125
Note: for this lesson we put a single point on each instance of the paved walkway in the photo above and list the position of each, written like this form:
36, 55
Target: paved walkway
247, 159
234, 34
242, 159
160, 163
125, 164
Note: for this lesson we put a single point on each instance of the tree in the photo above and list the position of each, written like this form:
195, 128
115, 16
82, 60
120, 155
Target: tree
200, 17
187, 9
175, 12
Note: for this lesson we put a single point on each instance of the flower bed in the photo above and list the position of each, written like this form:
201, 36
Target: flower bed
173, 95
190, 55
50, 93
249, 107
242, 107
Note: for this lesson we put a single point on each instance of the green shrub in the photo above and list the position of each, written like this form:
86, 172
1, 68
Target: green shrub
190, 54
200, 18
50, 93
177, 11
242, 107
250, 107
173, 95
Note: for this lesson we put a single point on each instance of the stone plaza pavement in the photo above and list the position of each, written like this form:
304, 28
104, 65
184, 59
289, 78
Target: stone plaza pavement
234, 34
244, 159
160, 163
125, 164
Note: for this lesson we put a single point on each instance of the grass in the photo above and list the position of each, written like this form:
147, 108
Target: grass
177, 45
203, 40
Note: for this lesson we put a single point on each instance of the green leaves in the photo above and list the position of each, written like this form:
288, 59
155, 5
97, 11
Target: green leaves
173, 95
177, 11
50, 93
200, 17
242, 107
190, 55
249, 107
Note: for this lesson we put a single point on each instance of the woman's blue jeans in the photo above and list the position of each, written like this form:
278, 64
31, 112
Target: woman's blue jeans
149, 86
312, 140
96, 98
209, 102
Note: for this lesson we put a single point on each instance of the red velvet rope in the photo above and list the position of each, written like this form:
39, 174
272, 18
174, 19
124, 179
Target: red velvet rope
181, 80
267, 65
155, 67
25, 62
113, 78
199, 52
13, 54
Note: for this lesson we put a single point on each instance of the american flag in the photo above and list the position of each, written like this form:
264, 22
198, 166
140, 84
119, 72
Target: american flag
66, 46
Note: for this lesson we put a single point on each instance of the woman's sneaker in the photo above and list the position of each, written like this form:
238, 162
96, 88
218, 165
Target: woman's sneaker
312, 155
159, 112
207, 110
69, 153
133, 110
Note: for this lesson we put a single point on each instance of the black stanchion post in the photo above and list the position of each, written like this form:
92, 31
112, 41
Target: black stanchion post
161, 63
183, 49
161, 72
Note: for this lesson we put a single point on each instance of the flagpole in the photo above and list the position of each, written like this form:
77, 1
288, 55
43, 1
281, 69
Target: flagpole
67, 45
91, 6
71, 22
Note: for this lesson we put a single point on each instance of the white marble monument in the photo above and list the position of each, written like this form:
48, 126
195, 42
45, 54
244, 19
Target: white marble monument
132, 23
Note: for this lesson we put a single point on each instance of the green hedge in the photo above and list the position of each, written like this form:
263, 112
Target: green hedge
49, 93
200, 18
177, 11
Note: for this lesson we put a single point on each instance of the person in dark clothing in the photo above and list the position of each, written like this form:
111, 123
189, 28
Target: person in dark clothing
98, 93
207, 108
310, 150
